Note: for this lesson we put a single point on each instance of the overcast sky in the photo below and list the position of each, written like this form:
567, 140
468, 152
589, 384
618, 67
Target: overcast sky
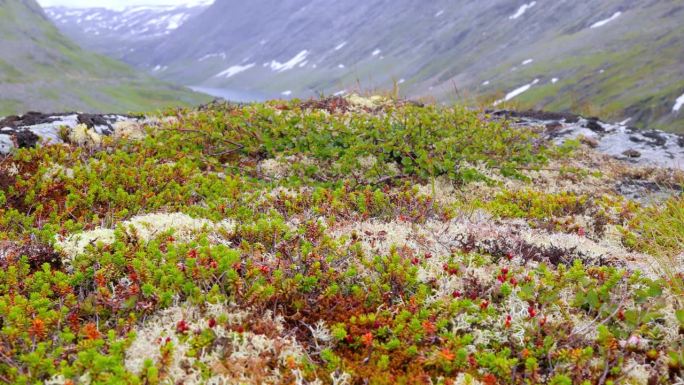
116, 3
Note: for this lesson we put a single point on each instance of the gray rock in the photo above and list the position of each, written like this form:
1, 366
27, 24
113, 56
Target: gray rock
6, 144
641, 147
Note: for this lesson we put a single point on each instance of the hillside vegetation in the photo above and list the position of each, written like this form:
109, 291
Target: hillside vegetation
42, 70
335, 241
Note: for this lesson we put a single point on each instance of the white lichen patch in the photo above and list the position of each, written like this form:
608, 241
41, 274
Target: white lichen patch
273, 168
57, 170
76, 244
83, 136
283, 167
184, 227
637, 374
443, 238
145, 228
442, 190
235, 357
129, 129
371, 102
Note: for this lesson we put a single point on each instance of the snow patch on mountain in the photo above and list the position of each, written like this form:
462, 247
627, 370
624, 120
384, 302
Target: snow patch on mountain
678, 104
528, 61
554, 80
136, 23
234, 70
175, 21
290, 64
516, 92
521, 11
376, 52
439, 13
340, 46
221, 55
606, 21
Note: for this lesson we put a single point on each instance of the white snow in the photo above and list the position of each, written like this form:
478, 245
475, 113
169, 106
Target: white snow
554, 80
678, 104
401, 81
606, 21
340, 46
286, 93
440, 13
521, 11
376, 52
92, 16
516, 92
340, 93
528, 61
290, 64
175, 21
234, 70
341, 66
222, 55
485, 83
157, 68
624, 122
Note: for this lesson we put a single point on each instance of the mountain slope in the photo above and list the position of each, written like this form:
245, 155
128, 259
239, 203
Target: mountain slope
40, 69
619, 58
117, 32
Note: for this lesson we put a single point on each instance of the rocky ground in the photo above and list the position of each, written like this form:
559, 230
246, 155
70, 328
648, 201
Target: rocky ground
340, 241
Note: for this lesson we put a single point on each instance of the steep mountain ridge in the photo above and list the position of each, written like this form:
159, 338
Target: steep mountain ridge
40, 69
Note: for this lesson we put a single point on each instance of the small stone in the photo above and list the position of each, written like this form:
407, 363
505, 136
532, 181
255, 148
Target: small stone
26, 139
632, 153
591, 142
594, 125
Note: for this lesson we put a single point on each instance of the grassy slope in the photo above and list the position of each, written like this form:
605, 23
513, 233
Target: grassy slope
345, 240
637, 76
42, 70
640, 53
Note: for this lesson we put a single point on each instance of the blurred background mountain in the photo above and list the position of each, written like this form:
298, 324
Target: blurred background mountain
618, 59
41, 69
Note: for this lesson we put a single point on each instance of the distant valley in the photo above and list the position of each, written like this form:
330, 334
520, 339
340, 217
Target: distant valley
41, 69
523, 54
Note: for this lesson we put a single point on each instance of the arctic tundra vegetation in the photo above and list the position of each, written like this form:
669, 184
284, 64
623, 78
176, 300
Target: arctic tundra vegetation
383, 192
341, 240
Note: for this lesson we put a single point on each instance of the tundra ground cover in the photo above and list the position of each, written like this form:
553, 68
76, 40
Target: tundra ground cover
334, 241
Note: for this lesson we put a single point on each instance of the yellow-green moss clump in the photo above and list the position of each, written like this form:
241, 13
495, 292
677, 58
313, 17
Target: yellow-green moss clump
335, 241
